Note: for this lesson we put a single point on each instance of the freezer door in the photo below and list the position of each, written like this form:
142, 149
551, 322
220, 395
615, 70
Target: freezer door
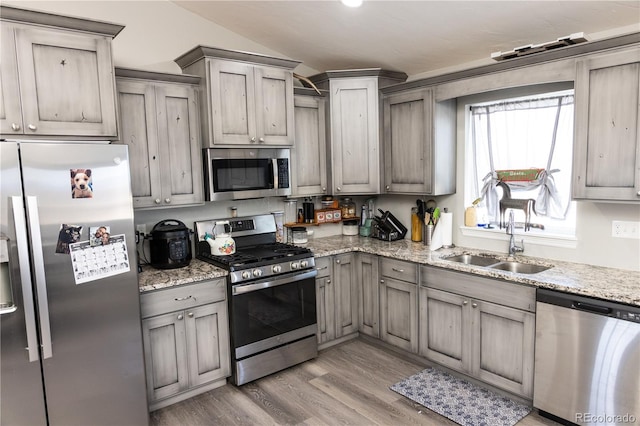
93, 369
21, 392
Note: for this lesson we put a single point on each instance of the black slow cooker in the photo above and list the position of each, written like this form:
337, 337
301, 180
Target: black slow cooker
170, 245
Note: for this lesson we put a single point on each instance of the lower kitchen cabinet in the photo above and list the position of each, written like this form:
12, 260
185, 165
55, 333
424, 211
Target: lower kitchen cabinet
336, 297
185, 334
484, 328
399, 304
368, 294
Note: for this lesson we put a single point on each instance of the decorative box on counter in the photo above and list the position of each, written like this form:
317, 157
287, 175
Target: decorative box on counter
328, 215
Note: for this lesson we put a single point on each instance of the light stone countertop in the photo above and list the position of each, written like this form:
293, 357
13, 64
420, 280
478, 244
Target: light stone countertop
616, 285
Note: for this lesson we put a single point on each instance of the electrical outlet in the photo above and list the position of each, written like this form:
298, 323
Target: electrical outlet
142, 228
625, 229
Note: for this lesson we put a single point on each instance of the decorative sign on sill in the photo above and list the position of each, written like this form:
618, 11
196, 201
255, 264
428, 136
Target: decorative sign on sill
529, 49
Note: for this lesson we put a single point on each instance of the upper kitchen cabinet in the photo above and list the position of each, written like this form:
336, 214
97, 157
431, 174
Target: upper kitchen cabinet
56, 76
248, 98
419, 140
607, 125
159, 123
309, 155
355, 126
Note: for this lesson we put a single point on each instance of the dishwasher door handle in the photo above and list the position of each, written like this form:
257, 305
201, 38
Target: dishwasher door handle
602, 310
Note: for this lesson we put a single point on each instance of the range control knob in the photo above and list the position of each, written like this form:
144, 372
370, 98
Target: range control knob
295, 265
246, 275
304, 264
257, 272
276, 269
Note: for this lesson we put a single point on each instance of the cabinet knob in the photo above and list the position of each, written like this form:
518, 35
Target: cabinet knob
325, 190
465, 303
167, 200
261, 140
190, 314
474, 305
157, 201
638, 193
328, 281
381, 281
253, 140
32, 127
387, 187
15, 127
338, 189
180, 317
338, 261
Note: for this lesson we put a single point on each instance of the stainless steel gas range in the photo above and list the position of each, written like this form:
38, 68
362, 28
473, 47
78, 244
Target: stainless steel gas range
272, 297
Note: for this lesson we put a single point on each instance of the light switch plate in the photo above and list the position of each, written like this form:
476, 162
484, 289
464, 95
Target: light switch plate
625, 229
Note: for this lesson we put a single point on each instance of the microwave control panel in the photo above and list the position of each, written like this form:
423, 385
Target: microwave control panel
283, 173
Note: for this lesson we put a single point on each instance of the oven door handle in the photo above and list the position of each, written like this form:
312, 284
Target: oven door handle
246, 288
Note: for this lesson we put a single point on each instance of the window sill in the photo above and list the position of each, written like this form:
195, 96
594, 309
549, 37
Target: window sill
546, 239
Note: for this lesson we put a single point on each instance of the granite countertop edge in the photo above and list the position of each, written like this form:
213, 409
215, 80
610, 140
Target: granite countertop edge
621, 285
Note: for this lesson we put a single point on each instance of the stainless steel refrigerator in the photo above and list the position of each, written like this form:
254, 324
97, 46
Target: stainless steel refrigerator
71, 340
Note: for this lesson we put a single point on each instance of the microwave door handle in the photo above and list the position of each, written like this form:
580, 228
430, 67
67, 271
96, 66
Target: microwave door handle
274, 169
25, 277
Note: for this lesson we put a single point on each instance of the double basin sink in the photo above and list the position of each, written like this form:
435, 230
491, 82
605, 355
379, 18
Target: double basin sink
492, 262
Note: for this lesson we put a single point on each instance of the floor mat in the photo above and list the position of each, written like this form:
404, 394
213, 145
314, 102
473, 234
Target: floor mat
459, 400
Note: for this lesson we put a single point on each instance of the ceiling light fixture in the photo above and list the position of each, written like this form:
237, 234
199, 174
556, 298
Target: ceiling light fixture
352, 3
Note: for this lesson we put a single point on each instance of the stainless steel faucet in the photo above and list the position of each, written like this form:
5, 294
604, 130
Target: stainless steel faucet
513, 247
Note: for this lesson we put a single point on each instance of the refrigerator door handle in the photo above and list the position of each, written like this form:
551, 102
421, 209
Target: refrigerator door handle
41, 284
25, 277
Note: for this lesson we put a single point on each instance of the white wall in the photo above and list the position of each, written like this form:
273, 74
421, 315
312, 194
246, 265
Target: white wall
157, 32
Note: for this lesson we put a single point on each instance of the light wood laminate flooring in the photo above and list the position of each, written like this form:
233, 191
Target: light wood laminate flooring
347, 384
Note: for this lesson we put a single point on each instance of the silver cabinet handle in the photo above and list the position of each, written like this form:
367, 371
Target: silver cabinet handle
338, 189
15, 127
387, 187
324, 189
167, 200
180, 317
180, 299
253, 140
41, 283
474, 305
338, 261
25, 277
381, 281
465, 303
328, 281
261, 140
638, 193
157, 200
32, 127
397, 270
190, 314
320, 268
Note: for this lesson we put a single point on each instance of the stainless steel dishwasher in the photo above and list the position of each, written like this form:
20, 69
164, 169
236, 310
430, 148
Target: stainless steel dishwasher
587, 359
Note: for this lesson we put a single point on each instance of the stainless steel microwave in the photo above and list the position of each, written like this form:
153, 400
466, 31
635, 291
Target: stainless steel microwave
241, 173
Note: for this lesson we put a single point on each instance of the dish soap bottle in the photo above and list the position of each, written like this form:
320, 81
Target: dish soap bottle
470, 214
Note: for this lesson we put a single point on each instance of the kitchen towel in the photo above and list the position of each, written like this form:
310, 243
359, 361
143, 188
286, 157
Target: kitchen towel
463, 402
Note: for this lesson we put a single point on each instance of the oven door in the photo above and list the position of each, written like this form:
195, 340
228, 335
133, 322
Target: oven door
234, 174
269, 313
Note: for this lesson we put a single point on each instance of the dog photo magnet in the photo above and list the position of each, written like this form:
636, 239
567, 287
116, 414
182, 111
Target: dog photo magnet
81, 183
99, 235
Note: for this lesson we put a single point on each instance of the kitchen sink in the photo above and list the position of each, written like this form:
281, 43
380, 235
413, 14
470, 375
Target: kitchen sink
470, 259
520, 268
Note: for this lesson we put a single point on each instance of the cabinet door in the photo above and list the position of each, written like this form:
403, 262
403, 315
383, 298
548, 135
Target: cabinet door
66, 83
444, 328
607, 127
355, 151
274, 106
165, 355
138, 130
408, 142
310, 152
10, 109
503, 342
346, 294
208, 343
179, 144
368, 295
232, 100
399, 313
325, 300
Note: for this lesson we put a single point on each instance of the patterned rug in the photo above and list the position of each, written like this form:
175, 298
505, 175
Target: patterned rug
459, 400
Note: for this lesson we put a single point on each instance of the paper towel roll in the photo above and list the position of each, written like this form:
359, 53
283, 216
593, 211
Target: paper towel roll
446, 226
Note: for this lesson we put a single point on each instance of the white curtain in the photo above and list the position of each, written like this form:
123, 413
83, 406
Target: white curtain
524, 134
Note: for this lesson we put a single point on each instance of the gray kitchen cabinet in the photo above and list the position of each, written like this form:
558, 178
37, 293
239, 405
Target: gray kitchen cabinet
368, 294
399, 304
159, 123
185, 332
355, 127
482, 327
248, 97
607, 126
419, 140
56, 81
309, 153
325, 297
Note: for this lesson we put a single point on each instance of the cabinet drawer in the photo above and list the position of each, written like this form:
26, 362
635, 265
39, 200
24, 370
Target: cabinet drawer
323, 266
400, 270
517, 296
182, 297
